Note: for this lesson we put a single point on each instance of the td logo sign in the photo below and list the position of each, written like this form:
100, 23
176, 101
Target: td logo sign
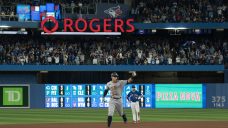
12, 96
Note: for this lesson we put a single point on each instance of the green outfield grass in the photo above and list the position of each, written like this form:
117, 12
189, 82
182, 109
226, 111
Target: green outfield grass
35, 116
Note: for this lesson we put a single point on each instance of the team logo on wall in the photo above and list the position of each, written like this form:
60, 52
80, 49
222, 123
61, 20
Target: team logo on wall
47, 19
114, 12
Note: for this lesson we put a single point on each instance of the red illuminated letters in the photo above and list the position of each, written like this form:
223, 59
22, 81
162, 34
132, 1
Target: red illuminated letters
94, 25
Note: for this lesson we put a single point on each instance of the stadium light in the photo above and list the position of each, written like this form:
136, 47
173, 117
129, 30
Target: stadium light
43, 71
220, 30
4, 26
13, 32
173, 28
84, 33
197, 31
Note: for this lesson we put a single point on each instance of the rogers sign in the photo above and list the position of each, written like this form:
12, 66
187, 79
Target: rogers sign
102, 26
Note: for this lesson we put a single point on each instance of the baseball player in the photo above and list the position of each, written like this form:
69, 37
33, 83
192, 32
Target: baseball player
116, 86
133, 98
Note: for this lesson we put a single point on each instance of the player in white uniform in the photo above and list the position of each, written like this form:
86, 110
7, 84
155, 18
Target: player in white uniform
116, 87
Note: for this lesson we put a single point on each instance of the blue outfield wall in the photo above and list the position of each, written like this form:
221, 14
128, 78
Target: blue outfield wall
226, 76
15, 78
37, 96
213, 95
217, 95
111, 67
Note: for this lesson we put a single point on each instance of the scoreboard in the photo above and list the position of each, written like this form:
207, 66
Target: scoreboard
90, 95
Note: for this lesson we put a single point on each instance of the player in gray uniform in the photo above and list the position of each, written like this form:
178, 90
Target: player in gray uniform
116, 87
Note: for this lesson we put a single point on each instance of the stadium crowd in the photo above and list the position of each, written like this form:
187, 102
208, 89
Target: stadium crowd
7, 10
147, 11
153, 11
138, 51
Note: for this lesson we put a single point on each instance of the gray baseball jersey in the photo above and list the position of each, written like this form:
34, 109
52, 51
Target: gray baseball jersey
116, 96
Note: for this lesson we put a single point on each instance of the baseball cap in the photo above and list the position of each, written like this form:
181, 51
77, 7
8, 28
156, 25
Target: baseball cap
133, 86
114, 74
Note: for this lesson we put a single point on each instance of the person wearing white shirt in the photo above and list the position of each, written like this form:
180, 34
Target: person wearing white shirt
170, 61
178, 59
49, 59
157, 61
82, 58
56, 59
